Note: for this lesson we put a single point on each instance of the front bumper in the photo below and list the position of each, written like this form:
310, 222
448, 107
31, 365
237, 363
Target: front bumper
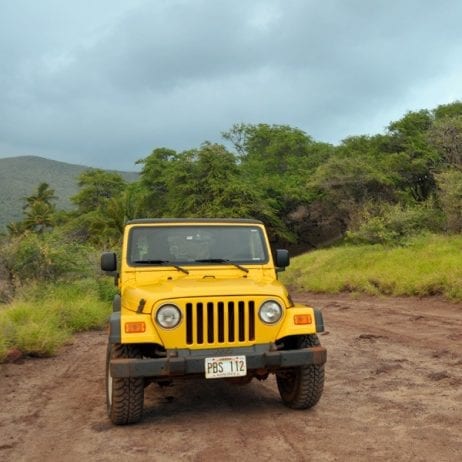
184, 364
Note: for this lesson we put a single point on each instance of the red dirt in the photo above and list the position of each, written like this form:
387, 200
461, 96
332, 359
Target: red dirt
393, 392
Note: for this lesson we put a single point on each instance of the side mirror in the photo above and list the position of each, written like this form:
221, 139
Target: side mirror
282, 258
109, 262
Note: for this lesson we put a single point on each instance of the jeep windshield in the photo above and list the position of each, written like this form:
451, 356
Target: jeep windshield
196, 245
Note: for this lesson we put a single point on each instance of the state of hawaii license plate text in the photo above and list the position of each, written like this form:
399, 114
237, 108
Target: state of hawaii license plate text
226, 366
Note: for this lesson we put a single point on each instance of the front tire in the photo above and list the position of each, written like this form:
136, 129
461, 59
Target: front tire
301, 387
124, 396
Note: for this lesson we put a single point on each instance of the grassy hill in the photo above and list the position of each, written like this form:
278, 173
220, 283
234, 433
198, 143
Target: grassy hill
427, 265
20, 177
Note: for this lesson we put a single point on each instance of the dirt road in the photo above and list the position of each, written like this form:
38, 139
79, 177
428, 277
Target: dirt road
393, 393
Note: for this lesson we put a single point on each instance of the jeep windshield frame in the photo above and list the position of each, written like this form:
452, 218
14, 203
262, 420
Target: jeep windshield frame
180, 245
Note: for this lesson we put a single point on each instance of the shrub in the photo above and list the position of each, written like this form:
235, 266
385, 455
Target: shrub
450, 196
48, 257
106, 289
44, 315
394, 224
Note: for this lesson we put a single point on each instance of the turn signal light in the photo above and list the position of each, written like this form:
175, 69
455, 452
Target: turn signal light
135, 327
302, 319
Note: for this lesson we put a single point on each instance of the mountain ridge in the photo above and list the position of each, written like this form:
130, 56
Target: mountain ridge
21, 175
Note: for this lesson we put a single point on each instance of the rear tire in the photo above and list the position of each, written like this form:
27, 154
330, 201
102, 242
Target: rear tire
124, 396
301, 387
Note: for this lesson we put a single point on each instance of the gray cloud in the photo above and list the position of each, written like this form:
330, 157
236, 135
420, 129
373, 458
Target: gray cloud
103, 83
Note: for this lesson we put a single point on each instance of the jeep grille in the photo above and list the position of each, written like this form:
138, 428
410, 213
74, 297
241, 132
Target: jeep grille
220, 322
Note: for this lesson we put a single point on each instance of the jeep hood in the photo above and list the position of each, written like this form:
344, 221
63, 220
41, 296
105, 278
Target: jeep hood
200, 288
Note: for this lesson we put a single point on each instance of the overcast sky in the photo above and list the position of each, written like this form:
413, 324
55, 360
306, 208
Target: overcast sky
104, 82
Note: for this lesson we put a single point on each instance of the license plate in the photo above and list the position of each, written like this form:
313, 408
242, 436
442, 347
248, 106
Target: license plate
225, 366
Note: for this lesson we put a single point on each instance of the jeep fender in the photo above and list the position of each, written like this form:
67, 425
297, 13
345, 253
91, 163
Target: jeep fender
114, 328
289, 327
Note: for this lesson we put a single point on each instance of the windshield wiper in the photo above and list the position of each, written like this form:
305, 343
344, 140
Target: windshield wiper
222, 260
161, 262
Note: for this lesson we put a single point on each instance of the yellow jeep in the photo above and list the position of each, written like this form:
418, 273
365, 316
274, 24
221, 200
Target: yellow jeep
201, 298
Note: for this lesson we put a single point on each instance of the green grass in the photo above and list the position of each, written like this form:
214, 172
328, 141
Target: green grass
427, 265
43, 317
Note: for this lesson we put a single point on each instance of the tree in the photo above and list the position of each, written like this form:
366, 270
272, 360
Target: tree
154, 180
96, 188
105, 225
39, 217
203, 182
39, 211
446, 137
409, 157
450, 196
276, 149
342, 186
277, 160
44, 195
100, 214
448, 110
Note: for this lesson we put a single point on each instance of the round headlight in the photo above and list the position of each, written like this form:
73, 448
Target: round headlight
270, 312
168, 316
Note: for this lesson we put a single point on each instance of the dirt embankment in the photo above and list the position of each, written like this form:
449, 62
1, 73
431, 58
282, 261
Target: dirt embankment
393, 392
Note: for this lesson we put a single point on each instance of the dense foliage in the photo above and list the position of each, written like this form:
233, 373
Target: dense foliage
384, 190
369, 189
